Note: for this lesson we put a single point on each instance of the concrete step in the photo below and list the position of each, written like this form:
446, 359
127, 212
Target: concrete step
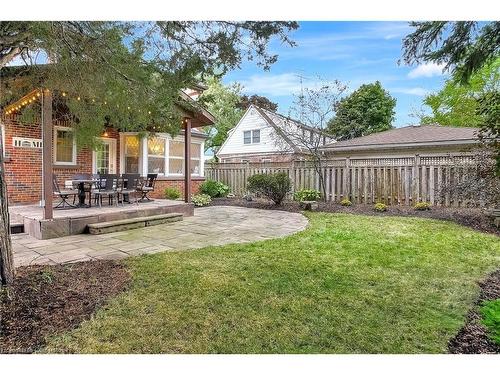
133, 223
16, 228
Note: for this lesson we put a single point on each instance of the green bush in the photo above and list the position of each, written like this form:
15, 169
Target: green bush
490, 312
380, 207
273, 186
172, 193
307, 195
201, 200
214, 188
346, 202
422, 206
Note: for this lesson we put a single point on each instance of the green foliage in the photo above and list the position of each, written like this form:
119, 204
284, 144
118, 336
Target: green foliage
307, 195
346, 202
273, 186
129, 74
490, 312
369, 109
459, 105
464, 47
422, 206
222, 101
214, 189
260, 101
200, 200
172, 193
380, 207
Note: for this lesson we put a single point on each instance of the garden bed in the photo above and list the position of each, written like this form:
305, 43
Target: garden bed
471, 217
473, 337
48, 300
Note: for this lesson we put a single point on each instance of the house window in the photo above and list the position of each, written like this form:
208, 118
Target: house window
132, 145
265, 160
156, 155
64, 146
176, 158
251, 136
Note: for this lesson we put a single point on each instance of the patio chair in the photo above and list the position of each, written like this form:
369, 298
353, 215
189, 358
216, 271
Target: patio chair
130, 184
63, 194
148, 186
107, 187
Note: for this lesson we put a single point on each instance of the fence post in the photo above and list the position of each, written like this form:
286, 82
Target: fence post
416, 178
347, 178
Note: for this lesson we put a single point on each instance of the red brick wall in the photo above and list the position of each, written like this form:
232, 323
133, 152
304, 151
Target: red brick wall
163, 183
23, 166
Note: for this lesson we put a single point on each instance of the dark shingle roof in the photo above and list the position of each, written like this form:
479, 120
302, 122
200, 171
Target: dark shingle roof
410, 135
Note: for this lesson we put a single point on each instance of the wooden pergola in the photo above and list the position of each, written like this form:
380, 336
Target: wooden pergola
191, 119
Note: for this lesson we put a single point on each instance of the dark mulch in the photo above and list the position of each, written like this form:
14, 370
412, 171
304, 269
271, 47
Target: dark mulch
48, 300
473, 337
471, 217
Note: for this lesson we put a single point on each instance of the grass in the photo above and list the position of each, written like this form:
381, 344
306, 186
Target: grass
490, 312
347, 284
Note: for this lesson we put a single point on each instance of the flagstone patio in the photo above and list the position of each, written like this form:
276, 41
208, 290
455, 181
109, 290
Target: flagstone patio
209, 226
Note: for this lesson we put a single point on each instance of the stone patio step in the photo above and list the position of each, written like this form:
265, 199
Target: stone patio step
133, 223
16, 228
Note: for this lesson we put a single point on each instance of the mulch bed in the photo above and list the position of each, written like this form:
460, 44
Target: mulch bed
473, 337
471, 217
48, 300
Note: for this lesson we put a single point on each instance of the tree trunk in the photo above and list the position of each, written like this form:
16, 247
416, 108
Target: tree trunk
6, 257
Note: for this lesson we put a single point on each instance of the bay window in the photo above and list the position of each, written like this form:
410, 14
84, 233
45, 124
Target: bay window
131, 151
156, 155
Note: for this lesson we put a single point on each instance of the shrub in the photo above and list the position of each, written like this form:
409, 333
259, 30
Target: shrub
346, 202
422, 206
172, 193
273, 186
380, 207
201, 199
307, 195
214, 188
490, 312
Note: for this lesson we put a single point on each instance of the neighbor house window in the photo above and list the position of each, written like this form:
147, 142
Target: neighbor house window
64, 146
176, 158
131, 151
251, 136
156, 155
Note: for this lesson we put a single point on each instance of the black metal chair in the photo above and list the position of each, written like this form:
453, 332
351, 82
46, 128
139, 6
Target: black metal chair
129, 184
87, 188
148, 186
108, 187
63, 194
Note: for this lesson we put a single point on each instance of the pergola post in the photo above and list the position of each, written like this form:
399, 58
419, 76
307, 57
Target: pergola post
187, 161
47, 137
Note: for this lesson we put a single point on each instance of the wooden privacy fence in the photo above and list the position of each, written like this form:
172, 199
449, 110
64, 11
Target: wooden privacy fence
403, 180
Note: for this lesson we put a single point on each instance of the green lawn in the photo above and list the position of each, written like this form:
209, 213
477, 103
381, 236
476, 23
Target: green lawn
347, 284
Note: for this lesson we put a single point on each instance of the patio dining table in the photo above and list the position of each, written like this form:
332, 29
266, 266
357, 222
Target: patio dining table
81, 191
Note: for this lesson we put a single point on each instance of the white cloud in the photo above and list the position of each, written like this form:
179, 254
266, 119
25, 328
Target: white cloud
427, 70
276, 85
418, 91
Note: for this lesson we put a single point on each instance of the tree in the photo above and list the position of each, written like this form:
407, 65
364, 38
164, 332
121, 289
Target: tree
369, 109
222, 101
459, 105
259, 101
123, 73
313, 107
463, 47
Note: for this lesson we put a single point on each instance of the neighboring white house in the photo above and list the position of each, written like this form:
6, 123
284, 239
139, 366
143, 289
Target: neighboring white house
265, 136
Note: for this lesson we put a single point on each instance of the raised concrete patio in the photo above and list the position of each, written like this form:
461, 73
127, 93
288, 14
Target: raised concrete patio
74, 221
218, 225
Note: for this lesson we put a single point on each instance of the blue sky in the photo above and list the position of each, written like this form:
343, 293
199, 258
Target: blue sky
352, 52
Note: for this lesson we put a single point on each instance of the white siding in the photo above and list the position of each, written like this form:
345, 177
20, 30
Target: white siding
251, 120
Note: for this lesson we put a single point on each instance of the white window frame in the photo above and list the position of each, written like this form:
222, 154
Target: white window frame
64, 128
251, 137
200, 158
165, 156
122, 152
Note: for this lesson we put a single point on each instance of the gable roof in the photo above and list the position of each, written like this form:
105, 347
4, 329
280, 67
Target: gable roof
409, 136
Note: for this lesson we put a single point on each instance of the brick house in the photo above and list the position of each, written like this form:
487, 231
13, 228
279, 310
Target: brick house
120, 152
